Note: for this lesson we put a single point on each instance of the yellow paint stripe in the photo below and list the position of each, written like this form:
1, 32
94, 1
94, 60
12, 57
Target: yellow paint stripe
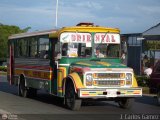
104, 63
34, 74
77, 80
83, 64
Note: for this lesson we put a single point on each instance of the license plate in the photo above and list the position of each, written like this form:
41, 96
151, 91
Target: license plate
111, 93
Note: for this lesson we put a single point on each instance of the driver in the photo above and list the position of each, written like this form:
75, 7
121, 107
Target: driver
98, 53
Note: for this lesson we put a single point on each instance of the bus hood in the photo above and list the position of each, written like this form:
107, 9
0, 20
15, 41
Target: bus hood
98, 64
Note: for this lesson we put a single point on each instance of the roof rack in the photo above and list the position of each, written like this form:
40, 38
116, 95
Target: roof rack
85, 24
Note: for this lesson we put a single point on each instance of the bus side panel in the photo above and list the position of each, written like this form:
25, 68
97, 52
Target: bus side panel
10, 70
36, 72
62, 71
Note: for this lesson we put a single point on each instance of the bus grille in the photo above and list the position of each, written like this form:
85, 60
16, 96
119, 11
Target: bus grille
108, 82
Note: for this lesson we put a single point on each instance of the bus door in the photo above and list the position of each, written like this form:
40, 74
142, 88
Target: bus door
11, 62
54, 65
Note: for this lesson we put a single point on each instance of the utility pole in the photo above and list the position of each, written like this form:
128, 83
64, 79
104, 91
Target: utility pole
56, 14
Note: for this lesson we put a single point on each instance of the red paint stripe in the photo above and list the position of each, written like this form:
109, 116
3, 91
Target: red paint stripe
33, 67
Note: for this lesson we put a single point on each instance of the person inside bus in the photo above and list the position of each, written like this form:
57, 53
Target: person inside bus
43, 54
46, 55
64, 49
123, 57
87, 53
98, 53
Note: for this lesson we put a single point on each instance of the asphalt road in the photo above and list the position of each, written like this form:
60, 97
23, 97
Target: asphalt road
47, 107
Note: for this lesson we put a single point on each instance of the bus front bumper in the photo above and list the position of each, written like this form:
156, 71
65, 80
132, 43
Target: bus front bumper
109, 92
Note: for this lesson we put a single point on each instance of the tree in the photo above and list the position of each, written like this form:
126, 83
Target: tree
5, 32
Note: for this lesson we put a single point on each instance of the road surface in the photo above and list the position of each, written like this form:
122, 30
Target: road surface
47, 107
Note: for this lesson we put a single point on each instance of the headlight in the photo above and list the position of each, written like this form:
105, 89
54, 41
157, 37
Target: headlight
128, 78
89, 79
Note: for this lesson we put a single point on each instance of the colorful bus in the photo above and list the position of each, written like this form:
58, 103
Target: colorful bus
75, 63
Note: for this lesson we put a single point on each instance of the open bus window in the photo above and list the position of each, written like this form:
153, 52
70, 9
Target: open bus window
64, 49
43, 48
21, 48
33, 47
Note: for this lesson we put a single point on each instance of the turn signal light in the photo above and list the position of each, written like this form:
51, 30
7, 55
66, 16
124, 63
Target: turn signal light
122, 75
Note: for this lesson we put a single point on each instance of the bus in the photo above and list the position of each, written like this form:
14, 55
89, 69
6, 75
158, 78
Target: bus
78, 63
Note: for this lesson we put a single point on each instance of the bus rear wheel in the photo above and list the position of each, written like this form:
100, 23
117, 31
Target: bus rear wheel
22, 89
71, 100
126, 103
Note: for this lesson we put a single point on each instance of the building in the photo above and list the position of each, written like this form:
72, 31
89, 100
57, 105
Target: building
133, 49
151, 43
138, 45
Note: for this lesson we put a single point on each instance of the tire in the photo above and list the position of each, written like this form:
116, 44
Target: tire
126, 103
22, 90
158, 97
71, 100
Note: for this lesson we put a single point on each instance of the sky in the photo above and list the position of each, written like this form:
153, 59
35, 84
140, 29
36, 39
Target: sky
130, 16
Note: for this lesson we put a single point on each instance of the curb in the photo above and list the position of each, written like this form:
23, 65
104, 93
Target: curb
150, 95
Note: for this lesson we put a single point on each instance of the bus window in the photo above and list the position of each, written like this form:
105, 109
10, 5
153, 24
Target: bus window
43, 47
57, 54
33, 48
21, 48
64, 49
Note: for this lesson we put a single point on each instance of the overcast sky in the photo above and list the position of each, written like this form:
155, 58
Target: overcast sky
131, 16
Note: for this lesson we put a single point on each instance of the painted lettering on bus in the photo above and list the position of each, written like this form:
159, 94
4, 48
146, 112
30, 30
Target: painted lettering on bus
80, 38
105, 38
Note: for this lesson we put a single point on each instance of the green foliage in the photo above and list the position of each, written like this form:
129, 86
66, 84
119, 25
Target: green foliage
142, 81
152, 45
2, 68
5, 32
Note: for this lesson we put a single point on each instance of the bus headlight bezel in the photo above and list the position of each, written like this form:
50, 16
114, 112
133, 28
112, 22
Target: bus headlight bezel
128, 78
89, 79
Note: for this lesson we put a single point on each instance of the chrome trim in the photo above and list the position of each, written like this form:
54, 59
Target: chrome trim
64, 65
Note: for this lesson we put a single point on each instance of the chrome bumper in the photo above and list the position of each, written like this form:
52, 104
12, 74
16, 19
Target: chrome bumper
109, 92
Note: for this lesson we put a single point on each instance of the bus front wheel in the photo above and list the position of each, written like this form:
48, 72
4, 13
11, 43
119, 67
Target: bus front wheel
71, 100
126, 103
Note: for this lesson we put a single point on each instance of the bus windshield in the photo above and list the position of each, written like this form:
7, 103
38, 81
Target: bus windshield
76, 44
107, 50
76, 50
106, 45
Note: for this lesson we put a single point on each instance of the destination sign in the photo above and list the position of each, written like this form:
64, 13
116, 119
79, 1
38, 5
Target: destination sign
106, 38
75, 37
86, 38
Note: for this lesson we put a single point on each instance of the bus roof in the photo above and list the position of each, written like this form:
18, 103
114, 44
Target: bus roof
86, 27
47, 32
81, 27
89, 29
